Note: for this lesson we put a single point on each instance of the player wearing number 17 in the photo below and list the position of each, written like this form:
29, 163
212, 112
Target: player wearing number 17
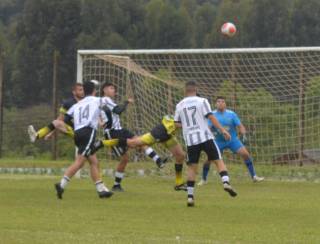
192, 114
85, 115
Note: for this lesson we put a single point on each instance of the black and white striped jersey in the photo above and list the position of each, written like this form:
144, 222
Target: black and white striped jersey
192, 113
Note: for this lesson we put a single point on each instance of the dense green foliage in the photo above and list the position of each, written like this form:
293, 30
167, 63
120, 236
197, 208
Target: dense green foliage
31, 29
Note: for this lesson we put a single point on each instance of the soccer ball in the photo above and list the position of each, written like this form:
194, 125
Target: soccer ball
228, 29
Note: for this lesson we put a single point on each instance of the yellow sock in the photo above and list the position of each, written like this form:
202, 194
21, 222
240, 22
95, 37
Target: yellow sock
178, 169
43, 132
110, 143
69, 131
179, 180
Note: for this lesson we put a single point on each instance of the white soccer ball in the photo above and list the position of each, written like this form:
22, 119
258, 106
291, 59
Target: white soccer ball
228, 29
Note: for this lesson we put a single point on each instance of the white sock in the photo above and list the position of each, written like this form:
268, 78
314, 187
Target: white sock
64, 181
118, 177
152, 154
100, 186
225, 178
190, 190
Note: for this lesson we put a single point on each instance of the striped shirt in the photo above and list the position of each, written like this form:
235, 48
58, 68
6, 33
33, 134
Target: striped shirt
192, 113
115, 117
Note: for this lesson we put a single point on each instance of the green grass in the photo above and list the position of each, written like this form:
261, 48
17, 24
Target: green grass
151, 212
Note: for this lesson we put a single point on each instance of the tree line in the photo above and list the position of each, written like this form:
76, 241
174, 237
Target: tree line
30, 30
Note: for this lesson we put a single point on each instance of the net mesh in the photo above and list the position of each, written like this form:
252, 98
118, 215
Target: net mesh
275, 93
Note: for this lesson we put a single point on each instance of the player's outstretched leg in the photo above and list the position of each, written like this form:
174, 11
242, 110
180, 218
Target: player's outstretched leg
155, 157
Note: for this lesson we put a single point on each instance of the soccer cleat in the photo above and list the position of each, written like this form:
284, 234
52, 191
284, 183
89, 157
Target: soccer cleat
117, 188
202, 182
162, 163
181, 187
257, 179
228, 188
105, 194
59, 190
190, 202
32, 133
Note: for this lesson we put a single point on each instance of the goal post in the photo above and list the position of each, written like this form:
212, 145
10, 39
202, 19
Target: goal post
275, 91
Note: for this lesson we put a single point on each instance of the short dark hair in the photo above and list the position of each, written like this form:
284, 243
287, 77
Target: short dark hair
220, 97
107, 84
75, 85
191, 83
191, 86
88, 88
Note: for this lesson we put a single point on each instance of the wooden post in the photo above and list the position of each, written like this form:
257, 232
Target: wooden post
1, 101
302, 87
55, 102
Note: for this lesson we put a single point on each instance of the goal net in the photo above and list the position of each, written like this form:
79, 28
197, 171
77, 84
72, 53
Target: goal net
275, 91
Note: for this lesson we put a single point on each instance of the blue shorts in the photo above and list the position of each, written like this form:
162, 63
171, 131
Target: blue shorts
234, 145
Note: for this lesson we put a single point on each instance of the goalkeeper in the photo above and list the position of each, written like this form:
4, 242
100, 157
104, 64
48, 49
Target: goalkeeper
162, 133
231, 122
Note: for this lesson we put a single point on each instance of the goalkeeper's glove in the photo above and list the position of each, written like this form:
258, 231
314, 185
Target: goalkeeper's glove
243, 139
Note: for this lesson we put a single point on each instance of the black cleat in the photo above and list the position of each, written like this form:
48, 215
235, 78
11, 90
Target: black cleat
117, 188
105, 194
228, 188
181, 187
59, 190
162, 162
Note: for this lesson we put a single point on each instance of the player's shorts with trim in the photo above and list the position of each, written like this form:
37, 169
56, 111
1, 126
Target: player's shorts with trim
117, 134
84, 139
209, 147
159, 135
234, 145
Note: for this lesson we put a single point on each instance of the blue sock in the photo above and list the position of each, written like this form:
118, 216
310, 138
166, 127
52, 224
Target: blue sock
205, 171
250, 167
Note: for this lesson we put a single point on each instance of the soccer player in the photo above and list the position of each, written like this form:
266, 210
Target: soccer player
85, 115
162, 133
231, 122
47, 131
114, 130
192, 114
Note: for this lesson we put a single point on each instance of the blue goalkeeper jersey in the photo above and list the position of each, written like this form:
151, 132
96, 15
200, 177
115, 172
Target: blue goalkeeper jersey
228, 120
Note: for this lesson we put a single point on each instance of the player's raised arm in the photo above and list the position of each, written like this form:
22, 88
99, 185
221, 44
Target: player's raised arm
218, 126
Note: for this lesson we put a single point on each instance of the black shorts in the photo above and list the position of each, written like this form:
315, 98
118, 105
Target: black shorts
84, 139
116, 134
160, 133
209, 147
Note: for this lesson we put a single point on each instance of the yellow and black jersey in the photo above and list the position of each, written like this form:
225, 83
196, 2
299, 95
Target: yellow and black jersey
66, 104
168, 123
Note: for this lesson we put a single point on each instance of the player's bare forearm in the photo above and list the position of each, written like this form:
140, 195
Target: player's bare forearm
242, 129
217, 125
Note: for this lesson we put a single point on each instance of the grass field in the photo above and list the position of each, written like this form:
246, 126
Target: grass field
151, 212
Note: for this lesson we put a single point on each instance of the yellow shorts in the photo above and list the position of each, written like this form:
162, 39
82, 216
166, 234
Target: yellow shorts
148, 139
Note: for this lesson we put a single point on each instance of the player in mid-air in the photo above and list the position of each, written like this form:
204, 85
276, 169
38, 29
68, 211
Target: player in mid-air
192, 114
85, 115
162, 133
113, 129
47, 131
231, 122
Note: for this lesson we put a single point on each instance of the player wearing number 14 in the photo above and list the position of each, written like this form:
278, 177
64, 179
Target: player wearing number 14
85, 115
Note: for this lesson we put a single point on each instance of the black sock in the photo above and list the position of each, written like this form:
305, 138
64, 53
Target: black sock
51, 126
